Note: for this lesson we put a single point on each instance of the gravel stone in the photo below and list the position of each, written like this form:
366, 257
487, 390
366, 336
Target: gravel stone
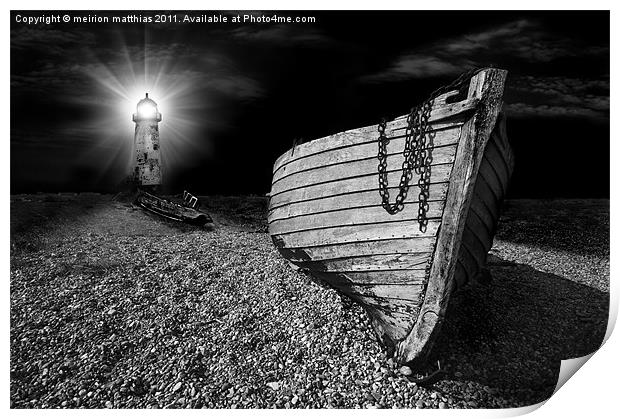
114, 307
405, 370
275, 386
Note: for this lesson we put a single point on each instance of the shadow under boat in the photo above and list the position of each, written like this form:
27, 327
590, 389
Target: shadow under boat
511, 335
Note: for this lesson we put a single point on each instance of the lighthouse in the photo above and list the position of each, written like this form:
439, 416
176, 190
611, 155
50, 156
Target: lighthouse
147, 172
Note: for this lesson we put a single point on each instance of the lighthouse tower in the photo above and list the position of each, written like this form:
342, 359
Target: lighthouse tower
147, 172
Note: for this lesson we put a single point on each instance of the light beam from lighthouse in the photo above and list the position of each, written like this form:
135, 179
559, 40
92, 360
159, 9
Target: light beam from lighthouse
147, 172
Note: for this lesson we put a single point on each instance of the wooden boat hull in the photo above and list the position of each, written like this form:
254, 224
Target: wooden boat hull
325, 214
171, 210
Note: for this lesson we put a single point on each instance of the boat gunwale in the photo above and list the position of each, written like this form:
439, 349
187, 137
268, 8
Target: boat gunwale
279, 164
454, 110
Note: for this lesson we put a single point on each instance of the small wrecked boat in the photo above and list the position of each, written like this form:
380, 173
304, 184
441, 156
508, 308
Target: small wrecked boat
186, 211
396, 215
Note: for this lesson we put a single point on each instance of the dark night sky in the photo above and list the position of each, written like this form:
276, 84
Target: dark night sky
236, 95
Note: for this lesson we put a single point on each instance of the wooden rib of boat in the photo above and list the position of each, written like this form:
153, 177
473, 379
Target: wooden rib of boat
326, 214
173, 210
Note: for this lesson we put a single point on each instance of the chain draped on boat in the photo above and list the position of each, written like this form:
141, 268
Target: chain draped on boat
417, 154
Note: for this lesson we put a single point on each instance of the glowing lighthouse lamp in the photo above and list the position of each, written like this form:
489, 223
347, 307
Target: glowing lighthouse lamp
147, 172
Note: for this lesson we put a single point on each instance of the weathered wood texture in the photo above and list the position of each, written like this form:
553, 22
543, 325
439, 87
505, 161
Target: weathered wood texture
481, 222
349, 185
455, 230
326, 217
325, 209
356, 249
353, 200
354, 168
400, 229
359, 136
359, 151
346, 217
392, 315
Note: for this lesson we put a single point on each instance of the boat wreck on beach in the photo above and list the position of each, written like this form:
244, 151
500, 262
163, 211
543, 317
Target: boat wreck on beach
187, 211
399, 214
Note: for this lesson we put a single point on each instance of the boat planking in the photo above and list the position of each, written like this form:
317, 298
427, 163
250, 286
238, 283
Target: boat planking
326, 214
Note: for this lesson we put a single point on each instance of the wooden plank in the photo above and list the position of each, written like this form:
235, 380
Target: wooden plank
446, 111
480, 231
354, 233
388, 316
386, 305
500, 138
360, 292
479, 210
468, 261
441, 155
389, 325
485, 204
490, 177
349, 186
398, 261
474, 245
495, 160
391, 292
354, 216
359, 151
487, 84
437, 192
503, 153
394, 276
358, 249
354, 137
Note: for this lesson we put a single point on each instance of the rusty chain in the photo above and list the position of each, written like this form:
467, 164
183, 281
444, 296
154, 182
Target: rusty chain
417, 154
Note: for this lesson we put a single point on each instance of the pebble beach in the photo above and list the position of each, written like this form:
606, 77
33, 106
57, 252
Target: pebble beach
113, 307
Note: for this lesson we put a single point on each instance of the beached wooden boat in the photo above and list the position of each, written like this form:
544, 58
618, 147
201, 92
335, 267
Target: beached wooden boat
326, 214
186, 211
